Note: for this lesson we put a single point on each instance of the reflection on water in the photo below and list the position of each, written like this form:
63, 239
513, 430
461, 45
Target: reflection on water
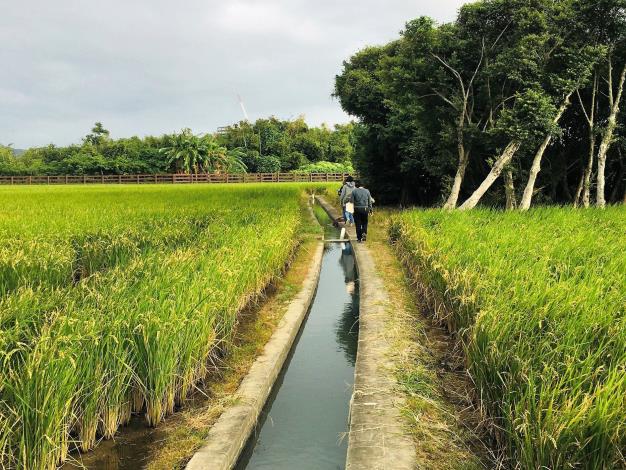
303, 423
348, 323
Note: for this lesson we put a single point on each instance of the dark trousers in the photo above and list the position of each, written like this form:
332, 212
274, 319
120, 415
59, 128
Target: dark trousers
360, 220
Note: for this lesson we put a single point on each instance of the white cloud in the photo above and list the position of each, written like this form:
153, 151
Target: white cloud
266, 18
12, 97
154, 66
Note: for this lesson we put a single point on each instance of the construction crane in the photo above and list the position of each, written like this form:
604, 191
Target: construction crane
243, 108
246, 119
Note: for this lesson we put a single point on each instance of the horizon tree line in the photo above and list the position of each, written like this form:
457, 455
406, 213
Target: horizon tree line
264, 146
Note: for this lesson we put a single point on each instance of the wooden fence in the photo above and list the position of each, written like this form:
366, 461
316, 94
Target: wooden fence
176, 178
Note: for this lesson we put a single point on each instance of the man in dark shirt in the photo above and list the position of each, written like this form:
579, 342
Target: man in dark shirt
362, 200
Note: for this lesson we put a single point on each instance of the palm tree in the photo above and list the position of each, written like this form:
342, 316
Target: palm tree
184, 152
202, 153
216, 154
221, 159
235, 160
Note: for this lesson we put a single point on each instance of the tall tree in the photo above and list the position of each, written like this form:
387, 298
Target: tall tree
445, 65
191, 153
573, 69
583, 193
537, 60
532, 115
603, 24
446, 108
98, 135
614, 98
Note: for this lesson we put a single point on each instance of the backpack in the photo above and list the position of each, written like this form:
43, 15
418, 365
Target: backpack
348, 193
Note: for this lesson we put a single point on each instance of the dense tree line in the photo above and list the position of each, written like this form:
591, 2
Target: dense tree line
526, 94
267, 145
96, 154
270, 145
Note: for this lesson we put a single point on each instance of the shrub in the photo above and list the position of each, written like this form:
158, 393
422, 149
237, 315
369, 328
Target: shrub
326, 167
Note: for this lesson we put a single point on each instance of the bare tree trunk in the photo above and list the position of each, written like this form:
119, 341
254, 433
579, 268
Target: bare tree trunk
536, 166
503, 160
583, 195
589, 170
464, 114
509, 190
463, 154
579, 190
607, 138
458, 178
532, 175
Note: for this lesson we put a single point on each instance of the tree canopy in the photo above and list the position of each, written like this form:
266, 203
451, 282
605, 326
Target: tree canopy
275, 145
446, 110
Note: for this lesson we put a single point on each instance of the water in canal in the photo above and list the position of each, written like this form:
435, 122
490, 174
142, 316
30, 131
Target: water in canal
305, 418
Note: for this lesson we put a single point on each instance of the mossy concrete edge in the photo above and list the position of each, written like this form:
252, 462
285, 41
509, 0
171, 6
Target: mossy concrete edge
378, 436
229, 434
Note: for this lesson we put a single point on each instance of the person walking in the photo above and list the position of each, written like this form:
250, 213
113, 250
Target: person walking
362, 200
344, 199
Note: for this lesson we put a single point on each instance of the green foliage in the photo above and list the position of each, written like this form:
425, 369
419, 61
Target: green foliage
9, 164
292, 143
359, 86
537, 300
268, 164
122, 156
99, 135
530, 118
326, 167
189, 153
498, 73
268, 145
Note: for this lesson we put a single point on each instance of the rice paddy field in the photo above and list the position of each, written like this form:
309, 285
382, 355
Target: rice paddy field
116, 300
538, 302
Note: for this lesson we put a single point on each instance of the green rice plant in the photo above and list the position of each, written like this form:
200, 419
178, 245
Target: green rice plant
32, 263
163, 274
57, 262
538, 302
23, 317
5, 431
44, 383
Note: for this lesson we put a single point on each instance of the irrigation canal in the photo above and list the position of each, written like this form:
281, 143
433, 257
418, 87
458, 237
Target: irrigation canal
305, 420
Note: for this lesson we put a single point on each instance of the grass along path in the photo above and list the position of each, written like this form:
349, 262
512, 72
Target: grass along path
256, 328
537, 301
438, 411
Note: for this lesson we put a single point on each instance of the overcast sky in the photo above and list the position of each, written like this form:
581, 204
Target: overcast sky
155, 66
